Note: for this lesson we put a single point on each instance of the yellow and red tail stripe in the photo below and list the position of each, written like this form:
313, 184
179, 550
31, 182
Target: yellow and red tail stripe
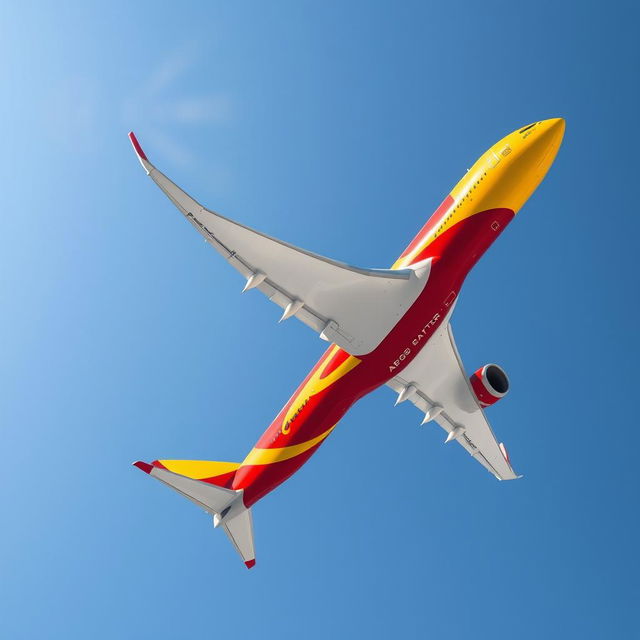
218, 473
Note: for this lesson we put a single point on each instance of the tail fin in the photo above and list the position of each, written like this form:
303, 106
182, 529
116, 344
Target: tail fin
207, 485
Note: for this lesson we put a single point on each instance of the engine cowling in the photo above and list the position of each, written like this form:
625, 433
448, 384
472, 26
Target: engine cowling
489, 384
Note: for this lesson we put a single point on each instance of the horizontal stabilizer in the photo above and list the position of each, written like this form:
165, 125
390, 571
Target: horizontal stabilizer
210, 497
198, 480
239, 529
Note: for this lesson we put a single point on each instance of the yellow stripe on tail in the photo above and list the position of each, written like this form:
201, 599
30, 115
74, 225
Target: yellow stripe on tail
197, 469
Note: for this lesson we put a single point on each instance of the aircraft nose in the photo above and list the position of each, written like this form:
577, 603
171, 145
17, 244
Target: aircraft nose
522, 159
546, 144
555, 124
553, 132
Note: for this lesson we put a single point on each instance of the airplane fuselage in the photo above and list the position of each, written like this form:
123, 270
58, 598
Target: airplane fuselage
454, 238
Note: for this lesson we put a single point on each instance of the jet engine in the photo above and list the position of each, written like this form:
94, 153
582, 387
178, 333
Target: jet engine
489, 384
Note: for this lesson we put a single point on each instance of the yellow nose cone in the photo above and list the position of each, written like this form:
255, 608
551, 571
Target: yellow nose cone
538, 144
520, 161
549, 139
556, 125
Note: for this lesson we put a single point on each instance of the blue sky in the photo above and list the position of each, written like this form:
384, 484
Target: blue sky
338, 127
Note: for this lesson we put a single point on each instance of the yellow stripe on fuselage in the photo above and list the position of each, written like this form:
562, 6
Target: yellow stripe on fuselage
316, 384
269, 456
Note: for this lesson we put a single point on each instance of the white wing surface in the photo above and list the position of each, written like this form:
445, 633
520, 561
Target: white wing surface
352, 307
436, 382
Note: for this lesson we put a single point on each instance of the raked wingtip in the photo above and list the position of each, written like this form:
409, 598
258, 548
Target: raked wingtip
142, 156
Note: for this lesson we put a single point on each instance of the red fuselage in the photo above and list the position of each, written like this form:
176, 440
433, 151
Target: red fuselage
453, 255
463, 227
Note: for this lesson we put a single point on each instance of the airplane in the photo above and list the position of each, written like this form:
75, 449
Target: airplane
385, 327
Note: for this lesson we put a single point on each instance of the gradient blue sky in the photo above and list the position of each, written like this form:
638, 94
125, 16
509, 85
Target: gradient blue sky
338, 127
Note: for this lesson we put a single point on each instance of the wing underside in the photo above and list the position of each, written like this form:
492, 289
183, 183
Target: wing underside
437, 384
340, 302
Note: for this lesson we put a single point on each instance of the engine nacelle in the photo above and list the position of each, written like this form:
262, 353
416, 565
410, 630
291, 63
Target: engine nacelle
489, 384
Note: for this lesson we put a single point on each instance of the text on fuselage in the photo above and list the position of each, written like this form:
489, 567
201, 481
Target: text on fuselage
416, 342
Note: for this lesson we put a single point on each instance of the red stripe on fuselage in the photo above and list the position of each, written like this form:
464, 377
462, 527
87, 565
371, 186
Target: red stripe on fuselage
454, 252
463, 244
258, 480
224, 480
334, 363
431, 224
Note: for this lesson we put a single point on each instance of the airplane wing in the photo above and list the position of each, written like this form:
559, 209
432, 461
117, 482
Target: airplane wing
436, 382
341, 302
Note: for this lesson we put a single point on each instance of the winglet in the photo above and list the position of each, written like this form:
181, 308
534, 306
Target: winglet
143, 466
142, 156
250, 563
505, 453
136, 145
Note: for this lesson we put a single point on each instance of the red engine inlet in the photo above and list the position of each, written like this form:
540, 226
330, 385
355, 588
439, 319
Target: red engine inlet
489, 384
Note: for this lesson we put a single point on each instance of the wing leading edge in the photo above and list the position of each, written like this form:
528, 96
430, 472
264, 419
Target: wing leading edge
341, 302
437, 384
